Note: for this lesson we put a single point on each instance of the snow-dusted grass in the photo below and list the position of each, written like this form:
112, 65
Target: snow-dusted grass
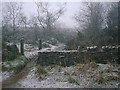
90, 75
41, 72
53, 79
72, 80
6, 75
12, 65
72, 77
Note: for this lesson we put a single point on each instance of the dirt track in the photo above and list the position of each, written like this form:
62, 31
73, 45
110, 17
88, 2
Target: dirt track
15, 78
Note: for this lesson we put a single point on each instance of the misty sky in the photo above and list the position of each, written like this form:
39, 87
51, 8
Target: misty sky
66, 19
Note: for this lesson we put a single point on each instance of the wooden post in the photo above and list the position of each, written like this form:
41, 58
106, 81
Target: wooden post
40, 44
22, 46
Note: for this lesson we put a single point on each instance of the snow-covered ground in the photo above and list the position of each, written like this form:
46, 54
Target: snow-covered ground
12, 64
58, 47
6, 75
53, 80
30, 54
58, 79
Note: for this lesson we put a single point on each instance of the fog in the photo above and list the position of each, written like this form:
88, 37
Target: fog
66, 19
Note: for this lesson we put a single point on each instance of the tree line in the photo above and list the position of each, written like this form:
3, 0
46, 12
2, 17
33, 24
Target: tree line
97, 24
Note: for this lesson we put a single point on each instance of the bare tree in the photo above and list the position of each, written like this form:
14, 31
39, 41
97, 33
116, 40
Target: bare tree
23, 20
112, 23
112, 17
90, 17
90, 20
11, 14
33, 20
47, 17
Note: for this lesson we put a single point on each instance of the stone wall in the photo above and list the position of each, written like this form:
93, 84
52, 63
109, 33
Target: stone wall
102, 57
67, 58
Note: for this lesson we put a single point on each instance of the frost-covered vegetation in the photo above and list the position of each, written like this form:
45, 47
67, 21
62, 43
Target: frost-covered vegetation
9, 68
15, 65
76, 76
12, 61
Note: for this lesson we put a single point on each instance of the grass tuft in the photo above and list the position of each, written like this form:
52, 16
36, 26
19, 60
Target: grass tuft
93, 65
100, 79
107, 70
58, 68
72, 80
40, 70
66, 73
112, 77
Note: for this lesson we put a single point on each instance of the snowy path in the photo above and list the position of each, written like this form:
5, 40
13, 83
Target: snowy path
28, 79
15, 78
10, 78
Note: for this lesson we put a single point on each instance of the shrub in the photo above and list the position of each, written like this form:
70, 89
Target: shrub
8, 55
16, 68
